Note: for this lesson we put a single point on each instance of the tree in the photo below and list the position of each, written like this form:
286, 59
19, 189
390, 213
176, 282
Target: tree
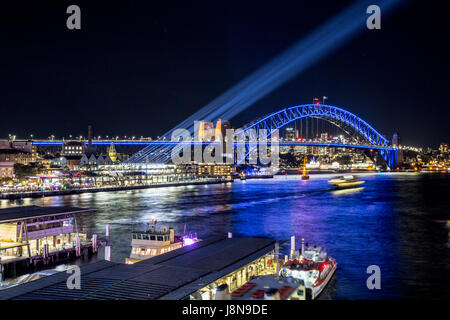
344, 159
22, 171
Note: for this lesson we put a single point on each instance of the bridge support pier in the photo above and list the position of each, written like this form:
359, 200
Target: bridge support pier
391, 157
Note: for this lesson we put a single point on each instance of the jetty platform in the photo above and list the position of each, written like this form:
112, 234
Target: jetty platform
185, 273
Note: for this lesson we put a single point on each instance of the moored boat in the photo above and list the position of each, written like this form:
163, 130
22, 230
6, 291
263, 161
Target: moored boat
314, 267
152, 242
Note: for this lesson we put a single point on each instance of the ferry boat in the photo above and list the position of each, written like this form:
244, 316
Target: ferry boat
347, 181
313, 267
152, 242
265, 287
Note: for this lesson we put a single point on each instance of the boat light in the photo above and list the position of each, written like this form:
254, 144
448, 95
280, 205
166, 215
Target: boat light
188, 241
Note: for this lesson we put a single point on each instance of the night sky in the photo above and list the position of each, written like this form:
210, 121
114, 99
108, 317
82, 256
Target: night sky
141, 67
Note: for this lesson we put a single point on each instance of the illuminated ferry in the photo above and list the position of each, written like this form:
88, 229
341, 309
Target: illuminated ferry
347, 181
152, 242
313, 267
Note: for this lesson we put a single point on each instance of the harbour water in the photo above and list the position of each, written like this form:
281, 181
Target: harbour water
397, 221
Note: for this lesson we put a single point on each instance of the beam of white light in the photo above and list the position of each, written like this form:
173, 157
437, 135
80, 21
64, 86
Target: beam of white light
300, 56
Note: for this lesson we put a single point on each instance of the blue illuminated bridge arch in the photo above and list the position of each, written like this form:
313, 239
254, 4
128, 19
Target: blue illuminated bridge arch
347, 121
344, 119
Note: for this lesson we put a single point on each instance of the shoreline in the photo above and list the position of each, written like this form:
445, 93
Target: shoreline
38, 194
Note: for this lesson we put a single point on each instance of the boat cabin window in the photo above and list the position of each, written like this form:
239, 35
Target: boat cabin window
160, 238
152, 238
144, 236
135, 236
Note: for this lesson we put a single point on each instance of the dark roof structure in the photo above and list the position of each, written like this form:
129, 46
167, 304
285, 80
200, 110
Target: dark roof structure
73, 157
173, 275
26, 212
13, 151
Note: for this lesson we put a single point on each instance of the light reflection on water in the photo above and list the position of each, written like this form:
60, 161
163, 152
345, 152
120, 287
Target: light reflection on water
396, 221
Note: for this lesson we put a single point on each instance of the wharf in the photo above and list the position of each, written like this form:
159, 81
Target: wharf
33, 236
171, 276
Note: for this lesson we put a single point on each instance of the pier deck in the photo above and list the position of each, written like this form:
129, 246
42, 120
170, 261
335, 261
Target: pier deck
173, 275
31, 236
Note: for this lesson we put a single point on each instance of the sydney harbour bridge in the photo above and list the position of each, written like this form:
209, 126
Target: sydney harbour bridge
363, 135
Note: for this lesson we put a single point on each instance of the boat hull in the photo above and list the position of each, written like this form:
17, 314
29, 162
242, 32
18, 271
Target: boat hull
345, 185
317, 290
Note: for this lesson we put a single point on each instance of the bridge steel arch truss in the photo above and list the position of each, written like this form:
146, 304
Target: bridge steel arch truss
283, 117
337, 115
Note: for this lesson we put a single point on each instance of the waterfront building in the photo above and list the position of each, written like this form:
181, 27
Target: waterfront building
312, 150
215, 170
6, 169
300, 150
73, 148
94, 160
58, 162
70, 162
28, 147
16, 156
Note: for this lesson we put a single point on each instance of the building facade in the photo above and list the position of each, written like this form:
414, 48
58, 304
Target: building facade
6, 169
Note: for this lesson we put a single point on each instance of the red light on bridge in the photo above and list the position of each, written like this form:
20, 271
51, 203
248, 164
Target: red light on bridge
331, 136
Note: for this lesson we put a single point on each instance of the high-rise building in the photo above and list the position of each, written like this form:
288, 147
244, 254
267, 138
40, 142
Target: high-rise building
396, 140
396, 143
290, 134
205, 130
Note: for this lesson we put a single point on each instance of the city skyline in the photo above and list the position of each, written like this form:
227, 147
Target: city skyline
126, 80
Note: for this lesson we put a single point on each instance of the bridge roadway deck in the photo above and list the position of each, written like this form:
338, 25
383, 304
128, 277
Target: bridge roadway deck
173, 275
205, 143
